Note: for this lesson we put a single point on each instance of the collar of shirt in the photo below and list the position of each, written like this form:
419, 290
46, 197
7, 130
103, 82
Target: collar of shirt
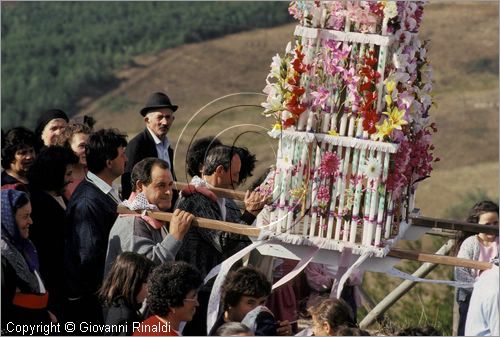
161, 148
157, 140
102, 185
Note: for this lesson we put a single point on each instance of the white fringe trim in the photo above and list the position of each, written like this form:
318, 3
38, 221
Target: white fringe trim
328, 244
309, 137
336, 35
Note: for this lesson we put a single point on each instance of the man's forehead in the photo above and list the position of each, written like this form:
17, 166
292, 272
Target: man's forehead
159, 172
161, 111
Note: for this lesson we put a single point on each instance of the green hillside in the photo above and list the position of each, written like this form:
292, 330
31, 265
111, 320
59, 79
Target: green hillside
56, 53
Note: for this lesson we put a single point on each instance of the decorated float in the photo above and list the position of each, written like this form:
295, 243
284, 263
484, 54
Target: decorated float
350, 97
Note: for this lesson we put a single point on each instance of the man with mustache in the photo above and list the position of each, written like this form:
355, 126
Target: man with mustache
152, 142
144, 235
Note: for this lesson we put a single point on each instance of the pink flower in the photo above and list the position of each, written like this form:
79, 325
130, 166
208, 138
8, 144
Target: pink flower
329, 166
320, 97
323, 196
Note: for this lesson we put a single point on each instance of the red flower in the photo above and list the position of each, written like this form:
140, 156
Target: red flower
370, 120
294, 80
288, 122
297, 91
296, 109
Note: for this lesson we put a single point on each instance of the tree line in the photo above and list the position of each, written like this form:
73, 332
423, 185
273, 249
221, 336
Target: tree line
55, 53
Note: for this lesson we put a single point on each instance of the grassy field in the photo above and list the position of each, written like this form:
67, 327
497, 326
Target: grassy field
464, 54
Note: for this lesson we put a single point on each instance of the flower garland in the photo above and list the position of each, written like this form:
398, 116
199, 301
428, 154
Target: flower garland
283, 87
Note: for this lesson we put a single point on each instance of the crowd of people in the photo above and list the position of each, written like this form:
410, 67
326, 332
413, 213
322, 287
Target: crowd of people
68, 256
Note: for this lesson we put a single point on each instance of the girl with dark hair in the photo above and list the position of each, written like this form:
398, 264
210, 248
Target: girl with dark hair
244, 294
172, 299
480, 247
329, 315
18, 154
124, 289
24, 298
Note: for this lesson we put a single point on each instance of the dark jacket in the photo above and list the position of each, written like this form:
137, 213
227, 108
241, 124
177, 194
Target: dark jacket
47, 234
140, 147
206, 248
90, 215
7, 179
120, 313
11, 283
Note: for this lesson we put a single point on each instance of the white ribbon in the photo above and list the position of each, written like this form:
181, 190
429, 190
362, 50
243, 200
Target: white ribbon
221, 270
366, 254
299, 267
405, 276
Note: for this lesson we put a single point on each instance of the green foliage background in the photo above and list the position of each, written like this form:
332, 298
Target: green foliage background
55, 53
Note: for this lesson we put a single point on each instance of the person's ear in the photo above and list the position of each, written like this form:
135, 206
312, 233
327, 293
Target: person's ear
146, 119
139, 186
328, 328
108, 163
220, 170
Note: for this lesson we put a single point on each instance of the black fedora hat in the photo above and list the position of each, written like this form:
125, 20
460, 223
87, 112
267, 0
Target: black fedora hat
158, 100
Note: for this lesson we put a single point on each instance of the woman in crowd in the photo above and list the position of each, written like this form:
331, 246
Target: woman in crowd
124, 289
75, 137
18, 154
480, 247
329, 315
172, 299
49, 127
48, 176
24, 298
244, 294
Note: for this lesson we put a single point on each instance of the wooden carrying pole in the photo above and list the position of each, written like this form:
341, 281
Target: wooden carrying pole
421, 221
254, 231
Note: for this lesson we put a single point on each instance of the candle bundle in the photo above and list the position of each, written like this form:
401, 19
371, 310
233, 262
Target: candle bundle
351, 97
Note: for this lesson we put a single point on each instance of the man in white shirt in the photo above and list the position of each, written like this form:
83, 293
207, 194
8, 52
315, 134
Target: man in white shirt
482, 317
90, 214
152, 142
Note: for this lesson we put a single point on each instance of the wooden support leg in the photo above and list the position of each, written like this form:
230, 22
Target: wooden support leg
403, 288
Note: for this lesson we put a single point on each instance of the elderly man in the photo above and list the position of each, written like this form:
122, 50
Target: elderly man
152, 142
152, 183
206, 248
90, 214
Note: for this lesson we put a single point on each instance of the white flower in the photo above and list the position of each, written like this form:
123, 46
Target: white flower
372, 169
390, 9
274, 103
400, 60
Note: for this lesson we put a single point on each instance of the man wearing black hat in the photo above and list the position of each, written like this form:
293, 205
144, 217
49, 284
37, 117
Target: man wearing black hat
152, 142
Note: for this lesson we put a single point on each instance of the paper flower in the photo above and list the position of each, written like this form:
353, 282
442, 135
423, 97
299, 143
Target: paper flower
370, 119
329, 166
320, 97
372, 169
323, 196
383, 130
396, 119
